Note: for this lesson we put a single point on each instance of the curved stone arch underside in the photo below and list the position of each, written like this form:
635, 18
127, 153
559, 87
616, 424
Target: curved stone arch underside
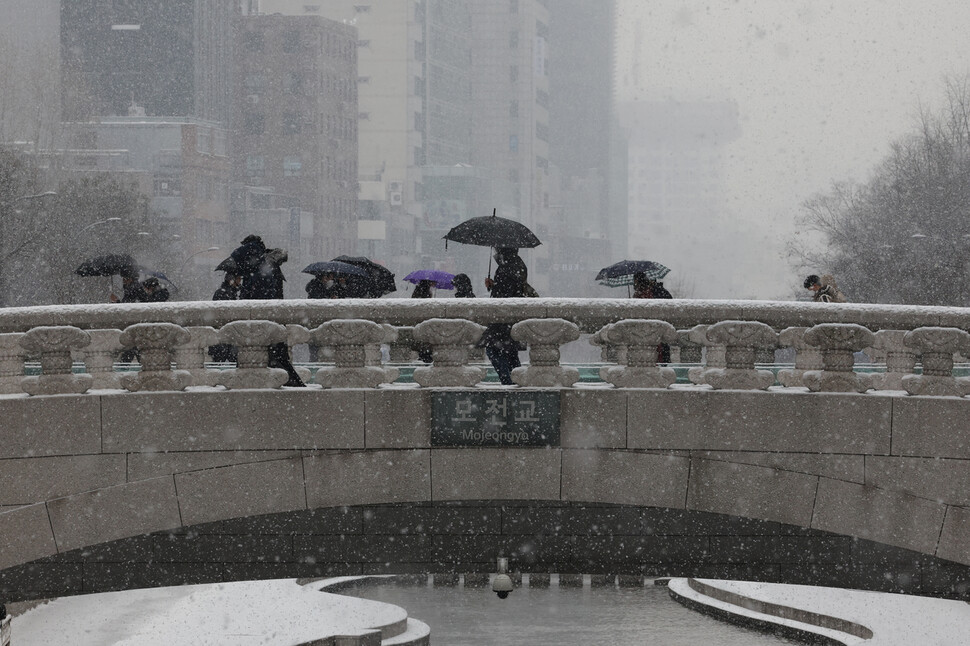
544, 478
450, 538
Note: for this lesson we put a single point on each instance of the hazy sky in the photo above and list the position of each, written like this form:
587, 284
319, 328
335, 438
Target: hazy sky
823, 87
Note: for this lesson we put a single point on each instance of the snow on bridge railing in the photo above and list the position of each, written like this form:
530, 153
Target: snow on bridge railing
729, 335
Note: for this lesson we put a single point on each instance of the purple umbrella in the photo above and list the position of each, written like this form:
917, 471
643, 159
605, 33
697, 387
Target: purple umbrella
441, 279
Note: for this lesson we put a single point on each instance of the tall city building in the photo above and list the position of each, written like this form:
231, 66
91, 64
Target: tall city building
171, 58
390, 93
30, 73
295, 129
676, 189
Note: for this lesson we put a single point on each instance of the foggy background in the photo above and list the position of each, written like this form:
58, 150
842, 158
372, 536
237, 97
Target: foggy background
687, 134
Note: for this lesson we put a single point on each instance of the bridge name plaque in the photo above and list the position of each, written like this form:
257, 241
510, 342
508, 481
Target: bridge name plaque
495, 419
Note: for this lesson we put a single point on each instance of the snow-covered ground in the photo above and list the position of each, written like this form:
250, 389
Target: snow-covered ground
277, 612
894, 619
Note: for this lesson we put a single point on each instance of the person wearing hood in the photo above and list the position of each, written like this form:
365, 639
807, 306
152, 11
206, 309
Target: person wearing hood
227, 291
824, 289
644, 287
511, 278
463, 286
262, 279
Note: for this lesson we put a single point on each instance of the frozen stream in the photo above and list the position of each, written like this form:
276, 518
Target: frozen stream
560, 617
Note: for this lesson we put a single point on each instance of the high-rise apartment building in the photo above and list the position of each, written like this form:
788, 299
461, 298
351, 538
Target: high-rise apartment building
172, 58
295, 126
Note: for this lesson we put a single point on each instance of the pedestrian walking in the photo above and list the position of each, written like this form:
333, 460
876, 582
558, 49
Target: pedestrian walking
644, 287
262, 279
824, 289
511, 278
423, 290
227, 291
463, 286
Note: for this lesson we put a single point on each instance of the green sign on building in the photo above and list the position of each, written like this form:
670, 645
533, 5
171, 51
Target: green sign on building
515, 418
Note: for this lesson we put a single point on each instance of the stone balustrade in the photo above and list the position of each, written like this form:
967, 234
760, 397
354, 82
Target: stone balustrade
721, 342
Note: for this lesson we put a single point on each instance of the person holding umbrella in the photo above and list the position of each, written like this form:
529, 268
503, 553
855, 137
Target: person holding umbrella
511, 278
262, 279
227, 291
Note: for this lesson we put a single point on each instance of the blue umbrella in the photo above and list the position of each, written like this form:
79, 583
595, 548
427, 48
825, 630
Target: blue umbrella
441, 279
334, 267
621, 273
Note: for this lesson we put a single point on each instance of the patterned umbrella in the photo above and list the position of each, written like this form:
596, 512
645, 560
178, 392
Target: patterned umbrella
621, 273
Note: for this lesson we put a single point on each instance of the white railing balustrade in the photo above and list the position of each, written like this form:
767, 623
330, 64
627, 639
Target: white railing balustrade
54, 345
719, 344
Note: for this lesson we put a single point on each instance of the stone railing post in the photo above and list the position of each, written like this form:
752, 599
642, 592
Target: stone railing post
349, 338
713, 354
544, 336
900, 360
54, 344
597, 339
641, 338
741, 340
253, 338
937, 345
190, 356
298, 335
837, 342
11, 363
373, 356
807, 357
690, 350
400, 348
156, 342
99, 358
450, 340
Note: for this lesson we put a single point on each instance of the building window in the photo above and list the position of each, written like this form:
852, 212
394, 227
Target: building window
255, 83
294, 83
514, 109
291, 41
362, 8
292, 166
254, 123
513, 40
292, 123
513, 6
253, 41
311, 8
255, 164
513, 143
514, 73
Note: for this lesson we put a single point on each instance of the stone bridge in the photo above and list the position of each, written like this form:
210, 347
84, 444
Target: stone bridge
183, 472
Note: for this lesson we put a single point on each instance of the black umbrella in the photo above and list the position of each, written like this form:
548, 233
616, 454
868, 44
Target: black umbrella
229, 266
379, 281
621, 273
493, 231
116, 263
334, 268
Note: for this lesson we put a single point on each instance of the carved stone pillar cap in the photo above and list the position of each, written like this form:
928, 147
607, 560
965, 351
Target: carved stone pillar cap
104, 341
938, 339
154, 335
297, 334
641, 332
252, 333
11, 341
792, 337
201, 336
698, 334
50, 338
545, 331
348, 332
751, 334
390, 333
598, 338
448, 332
839, 336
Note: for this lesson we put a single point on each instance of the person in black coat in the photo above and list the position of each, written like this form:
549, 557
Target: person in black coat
511, 277
262, 279
227, 291
463, 286
423, 290
324, 286
644, 287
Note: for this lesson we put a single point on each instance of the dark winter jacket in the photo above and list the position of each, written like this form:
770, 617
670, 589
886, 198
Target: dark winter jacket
318, 289
511, 275
226, 291
264, 281
463, 286
829, 293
